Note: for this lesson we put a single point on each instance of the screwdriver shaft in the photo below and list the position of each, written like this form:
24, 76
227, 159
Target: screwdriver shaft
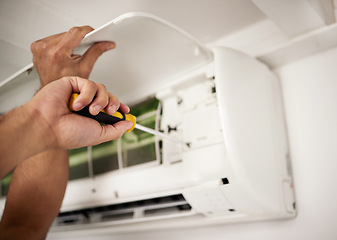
159, 134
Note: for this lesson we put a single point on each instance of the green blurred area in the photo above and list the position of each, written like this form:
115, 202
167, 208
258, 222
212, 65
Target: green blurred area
105, 157
78, 156
138, 146
78, 163
144, 107
5, 183
142, 154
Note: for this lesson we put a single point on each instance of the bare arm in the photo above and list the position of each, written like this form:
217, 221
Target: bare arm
30, 208
17, 129
39, 182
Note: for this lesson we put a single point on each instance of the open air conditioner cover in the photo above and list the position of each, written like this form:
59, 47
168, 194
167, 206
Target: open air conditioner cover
150, 53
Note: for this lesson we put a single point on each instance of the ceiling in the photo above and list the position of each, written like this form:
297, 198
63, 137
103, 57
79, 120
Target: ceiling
24, 21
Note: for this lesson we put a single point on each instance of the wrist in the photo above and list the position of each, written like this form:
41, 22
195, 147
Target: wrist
41, 131
23, 134
45, 81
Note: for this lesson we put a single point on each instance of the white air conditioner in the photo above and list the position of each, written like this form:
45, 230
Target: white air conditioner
226, 104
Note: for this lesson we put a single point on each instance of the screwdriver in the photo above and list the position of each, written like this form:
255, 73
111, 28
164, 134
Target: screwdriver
103, 117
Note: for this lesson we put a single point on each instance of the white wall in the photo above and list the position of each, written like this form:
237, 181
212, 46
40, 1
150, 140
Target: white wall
310, 97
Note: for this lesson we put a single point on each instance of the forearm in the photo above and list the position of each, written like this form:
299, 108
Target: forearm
35, 195
23, 134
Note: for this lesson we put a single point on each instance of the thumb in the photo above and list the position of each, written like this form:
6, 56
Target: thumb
113, 132
90, 57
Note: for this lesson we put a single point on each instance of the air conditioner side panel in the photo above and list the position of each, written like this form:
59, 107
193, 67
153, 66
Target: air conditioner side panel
249, 98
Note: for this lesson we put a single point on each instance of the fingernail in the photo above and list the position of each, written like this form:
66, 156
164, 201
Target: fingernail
130, 125
113, 109
97, 108
77, 106
110, 46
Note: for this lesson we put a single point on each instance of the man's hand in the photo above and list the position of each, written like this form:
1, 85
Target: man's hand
68, 130
53, 56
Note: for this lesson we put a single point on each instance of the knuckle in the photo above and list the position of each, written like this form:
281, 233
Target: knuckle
80, 30
74, 30
33, 47
44, 49
101, 86
114, 99
92, 85
88, 27
38, 46
66, 79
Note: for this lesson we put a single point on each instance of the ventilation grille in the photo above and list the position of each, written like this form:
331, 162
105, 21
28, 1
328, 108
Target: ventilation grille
149, 209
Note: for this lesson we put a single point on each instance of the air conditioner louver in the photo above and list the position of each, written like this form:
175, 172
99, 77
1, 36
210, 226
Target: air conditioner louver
148, 209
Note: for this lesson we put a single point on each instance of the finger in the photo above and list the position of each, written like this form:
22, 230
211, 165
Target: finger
100, 101
90, 57
124, 108
113, 132
87, 90
73, 38
113, 105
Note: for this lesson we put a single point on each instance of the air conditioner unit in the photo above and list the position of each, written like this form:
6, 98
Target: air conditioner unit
226, 104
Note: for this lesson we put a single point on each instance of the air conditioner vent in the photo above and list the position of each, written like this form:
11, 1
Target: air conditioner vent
147, 209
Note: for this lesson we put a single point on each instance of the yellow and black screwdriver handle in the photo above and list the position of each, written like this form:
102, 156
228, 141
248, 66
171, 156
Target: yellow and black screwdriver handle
102, 116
